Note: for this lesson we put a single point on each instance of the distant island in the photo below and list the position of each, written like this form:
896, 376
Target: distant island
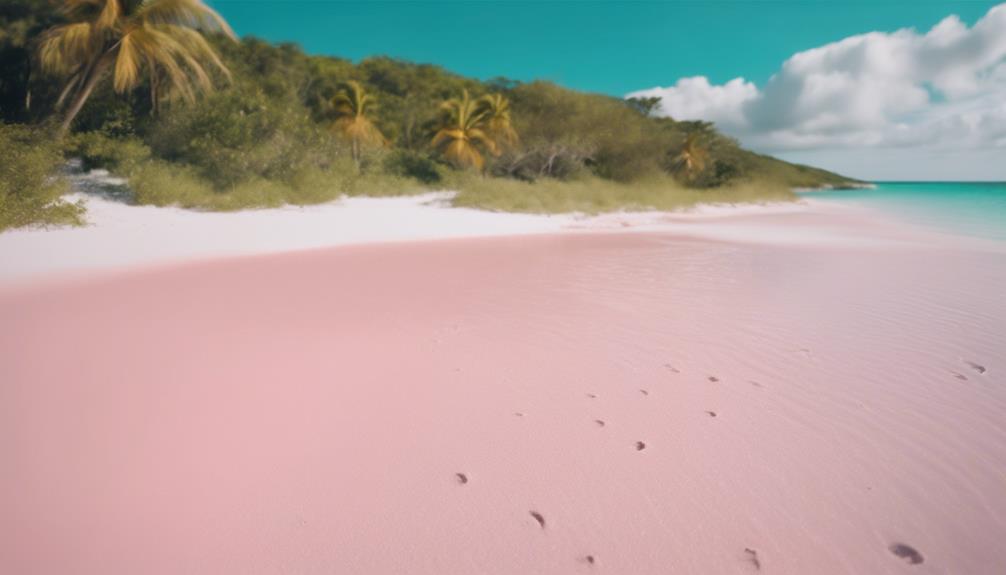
169, 99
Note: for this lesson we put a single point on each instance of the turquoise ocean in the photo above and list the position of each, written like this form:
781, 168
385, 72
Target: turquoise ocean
976, 209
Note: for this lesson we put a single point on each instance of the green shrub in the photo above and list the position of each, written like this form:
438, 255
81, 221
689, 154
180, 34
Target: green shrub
123, 156
30, 186
563, 132
241, 135
161, 183
412, 164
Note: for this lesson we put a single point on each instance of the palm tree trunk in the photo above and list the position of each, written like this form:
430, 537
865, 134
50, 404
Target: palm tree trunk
97, 71
27, 92
155, 100
71, 84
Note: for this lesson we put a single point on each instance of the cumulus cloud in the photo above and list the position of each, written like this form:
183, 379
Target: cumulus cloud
695, 98
903, 89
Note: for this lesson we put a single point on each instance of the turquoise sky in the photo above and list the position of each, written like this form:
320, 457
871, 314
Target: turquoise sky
610, 47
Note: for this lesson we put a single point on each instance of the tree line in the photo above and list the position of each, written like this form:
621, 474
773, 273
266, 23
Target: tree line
143, 85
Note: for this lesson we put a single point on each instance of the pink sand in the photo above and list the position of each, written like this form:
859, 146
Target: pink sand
308, 413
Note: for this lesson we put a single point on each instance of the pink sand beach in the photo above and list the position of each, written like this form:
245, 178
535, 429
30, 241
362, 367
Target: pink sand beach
627, 403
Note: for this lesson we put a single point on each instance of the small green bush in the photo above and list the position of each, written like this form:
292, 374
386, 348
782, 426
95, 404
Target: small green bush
412, 164
30, 186
123, 156
161, 183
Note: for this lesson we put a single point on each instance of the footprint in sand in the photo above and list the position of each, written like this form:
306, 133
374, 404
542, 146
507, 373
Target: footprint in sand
591, 396
752, 556
589, 560
907, 553
672, 368
755, 383
713, 378
462, 478
644, 392
640, 446
518, 414
539, 518
711, 413
959, 376
979, 368
599, 422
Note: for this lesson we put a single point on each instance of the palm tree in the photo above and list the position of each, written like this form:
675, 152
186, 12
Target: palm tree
692, 158
352, 104
462, 137
126, 36
497, 120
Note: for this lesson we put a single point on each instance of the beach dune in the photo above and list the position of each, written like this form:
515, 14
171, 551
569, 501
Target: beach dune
619, 403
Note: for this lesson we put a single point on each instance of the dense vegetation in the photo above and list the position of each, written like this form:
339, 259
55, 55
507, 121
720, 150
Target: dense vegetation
29, 194
285, 127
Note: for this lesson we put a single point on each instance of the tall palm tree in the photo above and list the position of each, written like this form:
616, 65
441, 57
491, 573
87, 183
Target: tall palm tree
462, 138
124, 37
352, 104
497, 120
692, 158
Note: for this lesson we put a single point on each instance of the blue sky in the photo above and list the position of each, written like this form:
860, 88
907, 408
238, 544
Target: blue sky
624, 47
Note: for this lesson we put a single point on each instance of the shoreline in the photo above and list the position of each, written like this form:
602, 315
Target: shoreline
120, 236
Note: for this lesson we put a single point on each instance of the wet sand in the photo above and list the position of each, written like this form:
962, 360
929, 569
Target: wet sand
611, 403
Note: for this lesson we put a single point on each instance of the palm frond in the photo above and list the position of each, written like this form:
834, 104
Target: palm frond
196, 45
188, 13
496, 111
477, 136
462, 137
64, 47
109, 16
351, 105
78, 10
446, 135
126, 73
167, 54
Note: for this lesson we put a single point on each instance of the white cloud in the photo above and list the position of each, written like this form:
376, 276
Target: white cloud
695, 98
944, 89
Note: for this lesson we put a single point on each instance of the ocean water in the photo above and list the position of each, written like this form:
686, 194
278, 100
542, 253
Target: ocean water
975, 209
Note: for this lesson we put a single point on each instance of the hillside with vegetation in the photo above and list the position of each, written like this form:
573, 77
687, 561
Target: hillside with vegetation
163, 94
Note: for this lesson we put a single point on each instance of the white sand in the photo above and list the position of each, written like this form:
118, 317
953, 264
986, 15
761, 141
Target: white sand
120, 235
